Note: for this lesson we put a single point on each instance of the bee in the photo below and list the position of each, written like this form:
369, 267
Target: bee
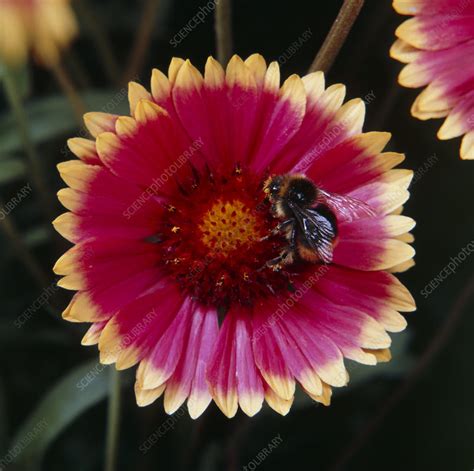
309, 218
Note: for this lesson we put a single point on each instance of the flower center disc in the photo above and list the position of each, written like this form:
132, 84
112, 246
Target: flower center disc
211, 235
229, 225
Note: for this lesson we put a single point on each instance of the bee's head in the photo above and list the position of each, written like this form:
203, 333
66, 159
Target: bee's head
301, 191
273, 187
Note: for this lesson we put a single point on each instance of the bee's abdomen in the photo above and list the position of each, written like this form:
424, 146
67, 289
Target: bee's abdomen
305, 252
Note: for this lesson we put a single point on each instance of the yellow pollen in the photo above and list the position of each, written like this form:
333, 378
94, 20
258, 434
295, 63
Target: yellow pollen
175, 229
229, 225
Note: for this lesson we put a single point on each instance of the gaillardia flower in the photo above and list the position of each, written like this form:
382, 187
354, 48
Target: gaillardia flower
173, 234
437, 45
44, 26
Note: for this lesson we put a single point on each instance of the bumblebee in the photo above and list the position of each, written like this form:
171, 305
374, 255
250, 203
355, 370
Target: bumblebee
308, 215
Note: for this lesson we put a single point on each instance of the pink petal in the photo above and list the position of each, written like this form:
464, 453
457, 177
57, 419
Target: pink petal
200, 396
221, 370
249, 383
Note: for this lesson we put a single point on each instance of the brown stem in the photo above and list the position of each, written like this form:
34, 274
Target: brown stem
337, 35
223, 26
69, 89
425, 360
140, 47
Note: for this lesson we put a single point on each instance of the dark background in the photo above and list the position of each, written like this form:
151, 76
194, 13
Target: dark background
427, 420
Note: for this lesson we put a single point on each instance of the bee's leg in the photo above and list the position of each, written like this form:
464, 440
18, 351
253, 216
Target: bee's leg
275, 263
279, 228
287, 255
283, 225
293, 239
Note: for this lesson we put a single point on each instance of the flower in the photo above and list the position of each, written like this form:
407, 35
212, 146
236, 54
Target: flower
437, 45
44, 26
170, 223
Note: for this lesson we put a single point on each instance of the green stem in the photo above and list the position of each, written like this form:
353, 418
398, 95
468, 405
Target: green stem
337, 35
104, 48
77, 69
69, 89
21, 250
14, 98
113, 421
140, 47
223, 26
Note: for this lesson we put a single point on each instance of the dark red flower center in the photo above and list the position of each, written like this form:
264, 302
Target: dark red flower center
213, 239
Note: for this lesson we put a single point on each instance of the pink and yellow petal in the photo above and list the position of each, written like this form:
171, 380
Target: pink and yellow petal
460, 120
360, 155
320, 361
180, 383
164, 356
283, 115
467, 146
370, 245
436, 32
404, 52
325, 397
221, 370
258, 67
249, 383
282, 406
145, 397
136, 327
269, 357
200, 396
97, 123
84, 149
432, 7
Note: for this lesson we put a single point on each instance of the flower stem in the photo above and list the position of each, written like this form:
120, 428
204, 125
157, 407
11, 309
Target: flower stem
104, 48
113, 421
12, 234
77, 69
140, 47
35, 169
223, 26
433, 349
337, 35
69, 89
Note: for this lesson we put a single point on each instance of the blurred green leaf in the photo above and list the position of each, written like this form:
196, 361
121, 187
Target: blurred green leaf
37, 235
52, 116
79, 390
11, 169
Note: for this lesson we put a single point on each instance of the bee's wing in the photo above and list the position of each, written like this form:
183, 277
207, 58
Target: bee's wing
318, 229
346, 208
